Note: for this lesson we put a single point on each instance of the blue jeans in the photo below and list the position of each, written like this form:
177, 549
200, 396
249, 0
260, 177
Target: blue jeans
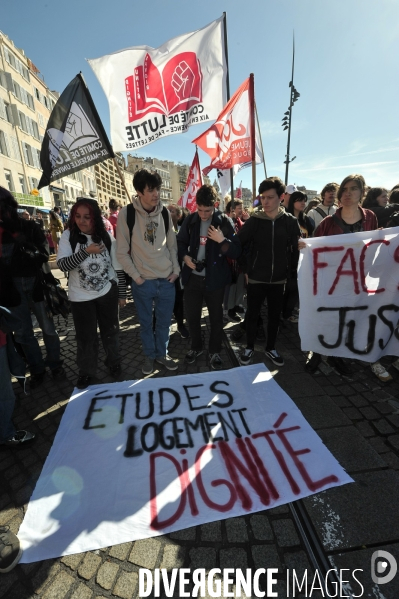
25, 336
7, 398
161, 294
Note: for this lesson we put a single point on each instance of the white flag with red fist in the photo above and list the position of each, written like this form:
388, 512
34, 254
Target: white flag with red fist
155, 92
229, 140
194, 182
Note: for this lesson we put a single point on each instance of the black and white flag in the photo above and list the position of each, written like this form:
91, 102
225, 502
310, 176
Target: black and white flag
75, 137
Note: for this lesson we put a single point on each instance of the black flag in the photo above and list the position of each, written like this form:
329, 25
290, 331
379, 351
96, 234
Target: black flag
75, 137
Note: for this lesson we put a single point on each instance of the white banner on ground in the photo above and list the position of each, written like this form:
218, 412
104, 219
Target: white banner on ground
143, 458
155, 92
348, 288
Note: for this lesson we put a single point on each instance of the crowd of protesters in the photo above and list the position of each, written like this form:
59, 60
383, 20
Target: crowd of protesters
173, 261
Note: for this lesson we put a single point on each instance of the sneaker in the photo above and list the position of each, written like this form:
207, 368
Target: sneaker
36, 379
192, 355
148, 365
58, 373
167, 362
246, 357
239, 309
340, 365
183, 332
380, 372
260, 333
275, 357
232, 316
115, 371
215, 362
396, 364
292, 318
18, 439
10, 549
313, 363
83, 381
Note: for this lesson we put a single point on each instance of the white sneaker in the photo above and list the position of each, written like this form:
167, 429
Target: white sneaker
380, 372
246, 357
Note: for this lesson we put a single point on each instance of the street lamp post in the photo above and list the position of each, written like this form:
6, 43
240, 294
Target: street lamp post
287, 120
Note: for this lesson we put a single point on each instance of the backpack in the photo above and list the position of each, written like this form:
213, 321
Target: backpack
320, 211
131, 219
393, 221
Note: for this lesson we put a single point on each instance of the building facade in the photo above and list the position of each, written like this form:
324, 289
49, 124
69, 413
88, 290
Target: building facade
25, 107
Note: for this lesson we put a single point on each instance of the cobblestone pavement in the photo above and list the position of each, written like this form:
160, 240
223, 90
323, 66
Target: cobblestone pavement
357, 418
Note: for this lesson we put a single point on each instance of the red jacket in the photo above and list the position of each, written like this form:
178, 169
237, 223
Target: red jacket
329, 226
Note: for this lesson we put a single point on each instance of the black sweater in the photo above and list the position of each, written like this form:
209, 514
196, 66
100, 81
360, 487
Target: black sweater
270, 247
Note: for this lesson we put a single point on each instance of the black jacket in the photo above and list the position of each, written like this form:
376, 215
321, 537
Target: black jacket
218, 272
22, 253
384, 213
270, 247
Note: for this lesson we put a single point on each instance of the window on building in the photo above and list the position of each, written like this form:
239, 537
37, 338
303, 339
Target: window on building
67, 191
4, 147
22, 185
28, 155
33, 183
15, 148
9, 181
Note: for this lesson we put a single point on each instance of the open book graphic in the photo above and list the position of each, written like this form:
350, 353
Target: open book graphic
177, 87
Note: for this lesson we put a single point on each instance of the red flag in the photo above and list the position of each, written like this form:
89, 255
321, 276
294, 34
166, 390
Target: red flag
228, 140
239, 192
194, 182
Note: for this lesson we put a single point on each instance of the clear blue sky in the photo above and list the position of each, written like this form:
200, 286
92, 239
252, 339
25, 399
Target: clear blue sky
346, 71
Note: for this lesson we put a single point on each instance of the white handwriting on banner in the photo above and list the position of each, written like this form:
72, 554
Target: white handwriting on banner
354, 292
246, 454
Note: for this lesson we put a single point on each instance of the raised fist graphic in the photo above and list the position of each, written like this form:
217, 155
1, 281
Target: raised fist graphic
74, 126
183, 80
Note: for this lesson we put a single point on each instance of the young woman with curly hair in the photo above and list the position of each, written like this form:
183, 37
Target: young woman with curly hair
96, 279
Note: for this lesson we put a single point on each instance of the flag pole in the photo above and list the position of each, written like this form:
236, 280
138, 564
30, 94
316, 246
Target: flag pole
260, 139
252, 124
122, 178
228, 88
94, 109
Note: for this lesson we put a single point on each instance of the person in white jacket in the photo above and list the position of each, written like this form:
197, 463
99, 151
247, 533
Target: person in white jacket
148, 254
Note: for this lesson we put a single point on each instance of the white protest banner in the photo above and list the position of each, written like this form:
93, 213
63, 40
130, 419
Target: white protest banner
143, 458
348, 289
155, 92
